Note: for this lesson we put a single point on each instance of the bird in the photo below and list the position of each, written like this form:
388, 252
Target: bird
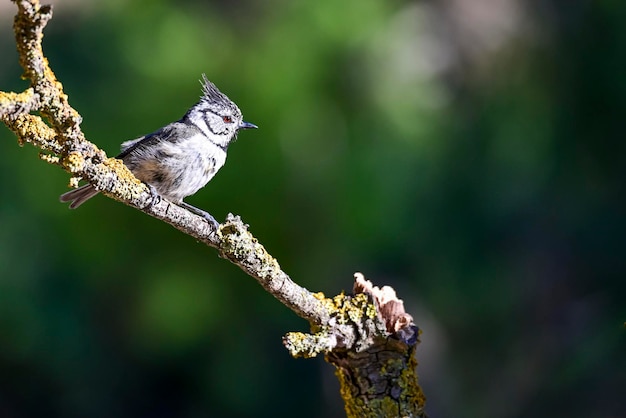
182, 157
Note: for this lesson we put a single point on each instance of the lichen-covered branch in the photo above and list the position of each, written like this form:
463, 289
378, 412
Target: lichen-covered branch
371, 341
367, 336
64, 144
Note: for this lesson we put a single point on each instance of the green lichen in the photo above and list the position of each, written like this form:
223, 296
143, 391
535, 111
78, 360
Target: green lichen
350, 309
412, 394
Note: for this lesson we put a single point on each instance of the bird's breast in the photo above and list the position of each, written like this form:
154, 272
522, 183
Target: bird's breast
178, 169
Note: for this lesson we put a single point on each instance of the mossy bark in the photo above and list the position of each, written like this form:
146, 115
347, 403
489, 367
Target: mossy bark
380, 382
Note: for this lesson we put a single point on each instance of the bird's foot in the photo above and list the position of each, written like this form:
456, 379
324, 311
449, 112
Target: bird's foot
206, 215
155, 198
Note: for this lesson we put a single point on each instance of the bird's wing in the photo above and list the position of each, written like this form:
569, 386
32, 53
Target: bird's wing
162, 134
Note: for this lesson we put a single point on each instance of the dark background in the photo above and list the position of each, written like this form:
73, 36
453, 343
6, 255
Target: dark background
470, 154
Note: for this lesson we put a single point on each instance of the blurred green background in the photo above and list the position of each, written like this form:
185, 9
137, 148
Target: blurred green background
470, 154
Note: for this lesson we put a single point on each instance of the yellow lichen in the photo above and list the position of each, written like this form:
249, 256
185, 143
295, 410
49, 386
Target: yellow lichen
74, 162
52, 159
121, 170
319, 296
74, 181
351, 308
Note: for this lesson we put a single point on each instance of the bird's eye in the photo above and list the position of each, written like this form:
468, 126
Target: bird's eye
227, 119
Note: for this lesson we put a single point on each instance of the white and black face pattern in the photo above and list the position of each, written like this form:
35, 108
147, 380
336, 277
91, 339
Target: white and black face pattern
221, 120
216, 115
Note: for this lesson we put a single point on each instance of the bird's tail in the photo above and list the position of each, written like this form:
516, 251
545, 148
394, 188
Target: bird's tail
78, 196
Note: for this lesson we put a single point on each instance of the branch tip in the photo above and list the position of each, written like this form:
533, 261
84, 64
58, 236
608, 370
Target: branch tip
305, 345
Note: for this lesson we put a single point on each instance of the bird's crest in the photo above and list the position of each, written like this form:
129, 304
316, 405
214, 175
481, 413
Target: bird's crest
211, 93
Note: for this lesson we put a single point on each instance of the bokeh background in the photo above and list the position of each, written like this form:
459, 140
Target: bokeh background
470, 154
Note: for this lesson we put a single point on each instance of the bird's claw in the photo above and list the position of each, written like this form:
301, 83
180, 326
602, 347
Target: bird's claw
206, 215
210, 219
155, 198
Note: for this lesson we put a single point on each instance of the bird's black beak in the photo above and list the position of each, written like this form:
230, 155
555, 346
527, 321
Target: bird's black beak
246, 125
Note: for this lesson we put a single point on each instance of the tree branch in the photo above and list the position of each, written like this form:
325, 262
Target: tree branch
368, 337
65, 145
